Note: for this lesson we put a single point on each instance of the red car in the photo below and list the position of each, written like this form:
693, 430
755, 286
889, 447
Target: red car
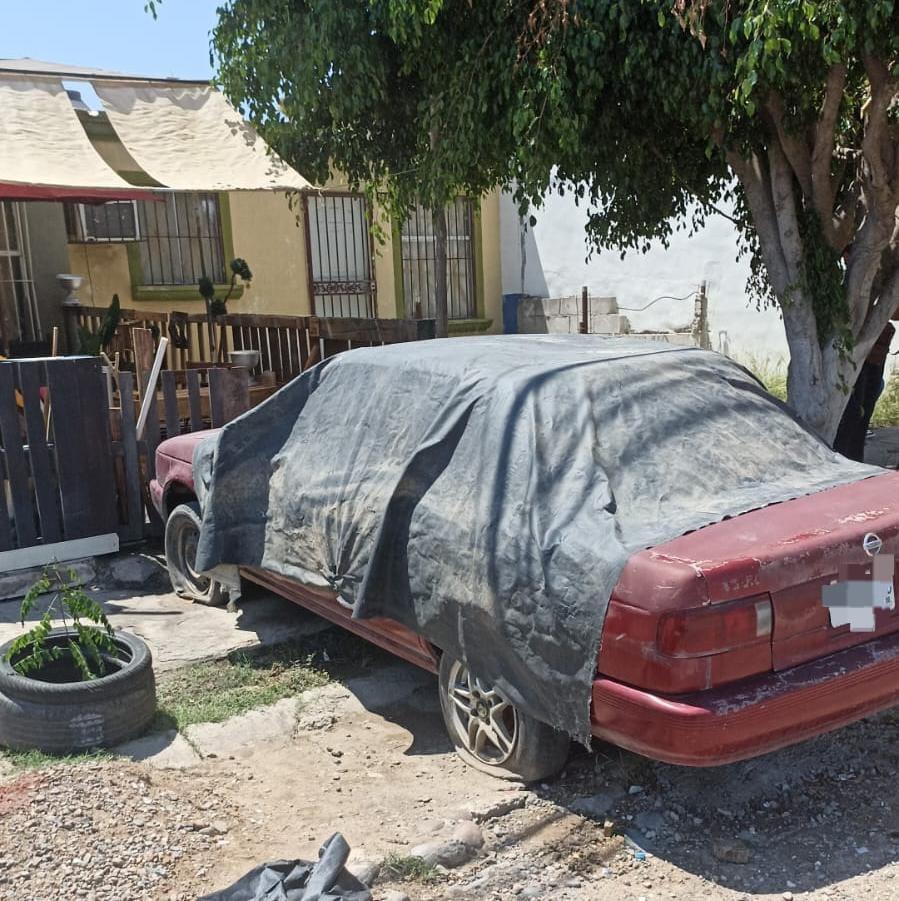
716, 646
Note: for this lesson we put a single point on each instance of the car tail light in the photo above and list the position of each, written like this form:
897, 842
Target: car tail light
714, 629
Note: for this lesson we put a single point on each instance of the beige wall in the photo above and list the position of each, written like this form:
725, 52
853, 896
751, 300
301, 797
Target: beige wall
270, 236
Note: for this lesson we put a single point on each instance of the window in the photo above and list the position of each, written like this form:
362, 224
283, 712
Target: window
18, 307
419, 249
102, 222
181, 240
178, 239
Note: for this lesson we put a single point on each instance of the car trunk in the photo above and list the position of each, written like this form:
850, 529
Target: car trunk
790, 551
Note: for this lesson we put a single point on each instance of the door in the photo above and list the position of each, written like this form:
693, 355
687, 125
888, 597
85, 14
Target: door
339, 254
18, 308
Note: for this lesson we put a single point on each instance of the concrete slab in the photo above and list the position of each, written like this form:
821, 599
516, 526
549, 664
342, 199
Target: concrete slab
163, 750
179, 632
267, 725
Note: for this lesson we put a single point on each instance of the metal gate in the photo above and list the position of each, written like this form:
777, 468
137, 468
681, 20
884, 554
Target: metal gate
339, 255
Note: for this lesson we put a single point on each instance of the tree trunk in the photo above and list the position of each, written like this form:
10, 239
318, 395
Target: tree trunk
441, 312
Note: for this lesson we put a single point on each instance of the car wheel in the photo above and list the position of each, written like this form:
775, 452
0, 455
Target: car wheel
491, 734
182, 531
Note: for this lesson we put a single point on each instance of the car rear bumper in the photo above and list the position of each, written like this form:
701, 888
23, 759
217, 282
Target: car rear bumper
751, 717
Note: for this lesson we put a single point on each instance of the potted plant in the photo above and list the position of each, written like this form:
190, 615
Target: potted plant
72, 688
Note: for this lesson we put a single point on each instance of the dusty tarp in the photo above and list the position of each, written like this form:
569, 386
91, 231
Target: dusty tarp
190, 138
296, 880
487, 492
43, 143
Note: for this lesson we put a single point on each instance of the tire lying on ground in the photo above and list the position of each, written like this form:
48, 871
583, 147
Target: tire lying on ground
66, 717
491, 734
182, 530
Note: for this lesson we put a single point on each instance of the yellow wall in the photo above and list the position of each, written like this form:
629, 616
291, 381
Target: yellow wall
270, 236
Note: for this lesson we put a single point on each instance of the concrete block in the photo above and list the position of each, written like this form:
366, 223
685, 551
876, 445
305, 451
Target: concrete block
609, 324
16, 584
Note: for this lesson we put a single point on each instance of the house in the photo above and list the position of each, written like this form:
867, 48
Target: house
141, 186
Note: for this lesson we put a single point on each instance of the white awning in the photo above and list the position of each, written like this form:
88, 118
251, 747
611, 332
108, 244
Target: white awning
42, 141
191, 139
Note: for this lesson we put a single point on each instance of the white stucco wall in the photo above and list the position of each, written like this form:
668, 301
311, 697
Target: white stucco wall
550, 261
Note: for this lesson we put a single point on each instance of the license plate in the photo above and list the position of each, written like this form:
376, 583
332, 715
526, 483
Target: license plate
860, 590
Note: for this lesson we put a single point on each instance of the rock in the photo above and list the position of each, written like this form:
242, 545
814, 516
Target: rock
594, 806
787, 896
608, 828
649, 821
469, 833
731, 851
134, 569
365, 870
395, 896
449, 853
635, 790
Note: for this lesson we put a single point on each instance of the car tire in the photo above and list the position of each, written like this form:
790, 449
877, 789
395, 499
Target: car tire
182, 531
491, 734
67, 717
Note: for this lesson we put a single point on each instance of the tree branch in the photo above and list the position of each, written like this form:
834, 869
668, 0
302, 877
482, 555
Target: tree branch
784, 200
758, 197
795, 149
823, 184
883, 93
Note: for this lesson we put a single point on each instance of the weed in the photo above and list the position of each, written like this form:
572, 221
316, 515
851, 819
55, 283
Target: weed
772, 373
37, 760
886, 412
216, 690
400, 868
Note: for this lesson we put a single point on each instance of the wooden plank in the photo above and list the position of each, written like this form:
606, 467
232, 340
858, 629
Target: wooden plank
134, 508
229, 394
96, 444
170, 400
45, 487
144, 352
151, 438
58, 552
68, 448
17, 475
193, 400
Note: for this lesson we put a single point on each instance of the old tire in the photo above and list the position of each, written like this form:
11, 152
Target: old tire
182, 531
491, 734
62, 718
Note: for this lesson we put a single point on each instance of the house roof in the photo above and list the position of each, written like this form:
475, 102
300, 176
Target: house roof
27, 66
184, 135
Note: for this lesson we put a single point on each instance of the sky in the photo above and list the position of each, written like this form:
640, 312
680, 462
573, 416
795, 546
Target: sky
112, 34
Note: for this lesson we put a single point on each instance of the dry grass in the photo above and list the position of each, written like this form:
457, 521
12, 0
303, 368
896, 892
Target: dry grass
773, 375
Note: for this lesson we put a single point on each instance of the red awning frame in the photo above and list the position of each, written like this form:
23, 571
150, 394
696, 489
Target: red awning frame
18, 192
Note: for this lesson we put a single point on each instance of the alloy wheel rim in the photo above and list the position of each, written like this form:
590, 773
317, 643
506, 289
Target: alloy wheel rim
486, 723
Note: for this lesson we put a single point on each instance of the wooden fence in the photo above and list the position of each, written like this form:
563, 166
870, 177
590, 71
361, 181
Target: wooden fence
287, 344
56, 462
74, 472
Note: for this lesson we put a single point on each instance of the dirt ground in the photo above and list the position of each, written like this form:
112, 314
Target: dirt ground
368, 756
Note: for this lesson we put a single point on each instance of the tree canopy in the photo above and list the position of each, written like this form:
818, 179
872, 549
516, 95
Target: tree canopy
650, 111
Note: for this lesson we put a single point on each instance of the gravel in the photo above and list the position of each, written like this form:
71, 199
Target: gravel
106, 832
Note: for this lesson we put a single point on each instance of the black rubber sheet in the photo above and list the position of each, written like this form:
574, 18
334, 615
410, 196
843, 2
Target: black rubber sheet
486, 492
298, 880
